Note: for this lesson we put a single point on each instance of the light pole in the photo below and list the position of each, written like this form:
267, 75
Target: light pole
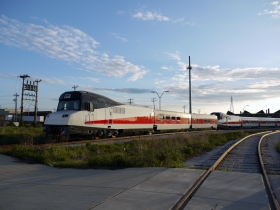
159, 97
190, 91
244, 108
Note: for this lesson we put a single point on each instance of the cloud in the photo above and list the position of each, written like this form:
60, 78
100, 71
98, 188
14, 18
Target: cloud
67, 44
212, 84
168, 68
149, 15
7, 76
119, 37
52, 80
90, 78
275, 12
120, 90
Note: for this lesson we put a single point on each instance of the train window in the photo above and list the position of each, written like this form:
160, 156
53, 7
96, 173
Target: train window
161, 116
173, 118
68, 105
167, 117
178, 118
89, 106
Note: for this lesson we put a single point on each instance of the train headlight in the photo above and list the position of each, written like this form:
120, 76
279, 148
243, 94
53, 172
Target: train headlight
63, 131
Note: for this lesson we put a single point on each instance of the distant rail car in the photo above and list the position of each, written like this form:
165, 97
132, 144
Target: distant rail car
231, 121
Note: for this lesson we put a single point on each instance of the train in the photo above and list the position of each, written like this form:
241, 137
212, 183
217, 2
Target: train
90, 115
231, 121
87, 114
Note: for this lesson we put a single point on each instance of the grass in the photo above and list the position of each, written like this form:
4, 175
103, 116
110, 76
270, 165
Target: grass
10, 135
21, 135
170, 152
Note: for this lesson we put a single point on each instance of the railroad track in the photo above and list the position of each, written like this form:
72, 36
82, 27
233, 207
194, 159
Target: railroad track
251, 154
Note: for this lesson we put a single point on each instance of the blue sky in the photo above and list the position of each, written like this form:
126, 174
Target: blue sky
126, 49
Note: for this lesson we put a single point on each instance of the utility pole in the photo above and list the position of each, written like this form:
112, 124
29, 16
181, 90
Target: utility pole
130, 101
75, 87
190, 92
15, 100
153, 100
36, 100
22, 91
185, 106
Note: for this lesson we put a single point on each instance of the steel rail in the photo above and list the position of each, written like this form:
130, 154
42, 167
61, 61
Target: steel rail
182, 202
271, 195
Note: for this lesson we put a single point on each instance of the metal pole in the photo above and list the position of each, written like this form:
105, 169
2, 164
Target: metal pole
36, 101
22, 91
16, 95
159, 97
190, 92
185, 108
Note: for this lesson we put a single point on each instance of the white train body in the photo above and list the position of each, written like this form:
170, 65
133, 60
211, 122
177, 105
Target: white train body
231, 121
85, 113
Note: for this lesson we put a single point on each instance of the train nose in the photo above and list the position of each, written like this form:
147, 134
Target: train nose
57, 118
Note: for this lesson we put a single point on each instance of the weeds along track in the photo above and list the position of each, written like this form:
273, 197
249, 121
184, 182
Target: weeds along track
122, 139
253, 154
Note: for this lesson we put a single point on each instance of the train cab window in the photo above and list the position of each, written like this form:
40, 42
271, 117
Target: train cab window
167, 117
68, 105
179, 118
161, 116
173, 118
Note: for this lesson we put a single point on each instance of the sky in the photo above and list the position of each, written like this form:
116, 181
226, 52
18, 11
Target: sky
126, 49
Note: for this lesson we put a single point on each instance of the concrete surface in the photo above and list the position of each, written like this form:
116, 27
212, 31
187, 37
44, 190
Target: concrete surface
275, 182
35, 186
230, 190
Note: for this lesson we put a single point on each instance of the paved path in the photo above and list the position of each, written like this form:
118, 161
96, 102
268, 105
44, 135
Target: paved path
35, 186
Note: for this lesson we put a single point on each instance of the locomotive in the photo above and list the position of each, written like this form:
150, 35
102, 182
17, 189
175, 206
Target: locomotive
82, 113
